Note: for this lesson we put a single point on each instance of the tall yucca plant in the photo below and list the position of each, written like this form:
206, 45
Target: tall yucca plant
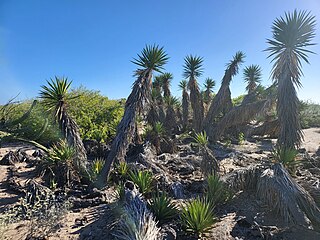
55, 97
171, 118
209, 84
292, 35
222, 101
185, 103
192, 70
252, 76
166, 83
152, 58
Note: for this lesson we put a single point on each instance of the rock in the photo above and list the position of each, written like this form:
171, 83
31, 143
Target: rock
259, 151
243, 222
162, 157
318, 152
168, 233
9, 159
129, 185
302, 150
177, 189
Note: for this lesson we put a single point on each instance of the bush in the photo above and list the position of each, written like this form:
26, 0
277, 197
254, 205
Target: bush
162, 208
143, 179
96, 115
197, 217
39, 126
309, 114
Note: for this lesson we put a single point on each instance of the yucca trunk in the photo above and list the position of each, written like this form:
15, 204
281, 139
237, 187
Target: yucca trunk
197, 105
71, 132
185, 109
166, 91
170, 121
153, 115
287, 109
136, 103
238, 116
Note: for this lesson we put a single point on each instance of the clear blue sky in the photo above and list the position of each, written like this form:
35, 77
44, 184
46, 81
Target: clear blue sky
92, 42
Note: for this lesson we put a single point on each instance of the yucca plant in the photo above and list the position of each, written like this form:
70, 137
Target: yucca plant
122, 169
183, 85
58, 164
201, 139
209, 84
166, 82
152, 59
197, 217
143, 179
252, 76
55, 97
193, 69
216, 190
287, 157
209, 164
162, 208
292, 35
96, 168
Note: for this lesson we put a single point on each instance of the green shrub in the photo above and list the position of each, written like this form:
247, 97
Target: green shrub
143, 179
197, 217
96, 115
38, 126
162, 208
309, 114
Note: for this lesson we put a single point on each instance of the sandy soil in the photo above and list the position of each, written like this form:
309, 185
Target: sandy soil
90, 218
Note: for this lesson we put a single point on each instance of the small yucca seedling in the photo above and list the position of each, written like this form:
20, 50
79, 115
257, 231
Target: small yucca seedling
96, 167
162, 208
216, 190
122, 169
201, 139
61, 152
197, 216
158, 128
286, 156
143, 179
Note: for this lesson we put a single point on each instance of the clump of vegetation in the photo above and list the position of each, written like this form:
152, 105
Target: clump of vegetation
287, 157
43, 214
162, 208
58, 164
155, 134
309, 114
143, 179
216, 190
120, 193
197, 217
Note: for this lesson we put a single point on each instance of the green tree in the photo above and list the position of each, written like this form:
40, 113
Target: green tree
292, 35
